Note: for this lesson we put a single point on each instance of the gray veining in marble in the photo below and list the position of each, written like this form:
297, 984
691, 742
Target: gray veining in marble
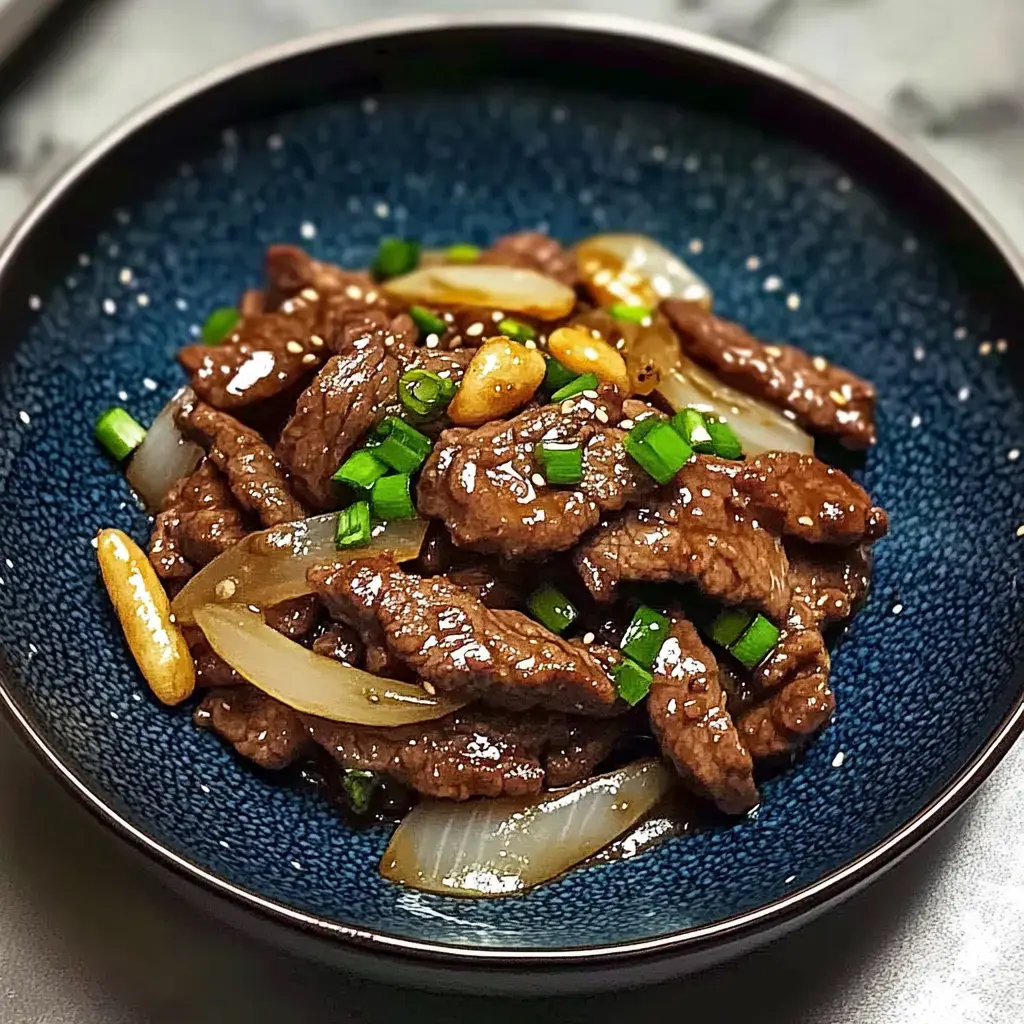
86, 936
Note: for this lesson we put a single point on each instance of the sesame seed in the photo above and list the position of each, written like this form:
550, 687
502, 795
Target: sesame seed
1001, 345
433, 341
793, 301
109, 307
897, 608
964, 393
142, 299
625, 424
915, 421
805, 521
530, 344
772, 283
381, 209
601, 415
589, 638
538, 480
837, 761
34, 302
696, 246
309, 358
310, 294
308, 229
919, 353
1020, 531
753, 263
567, 406
125, 276
353, 291
474, 330
316, 341
294, 347
429, 687
590, 393
225, 589
1013, 454
819, 363
985, 348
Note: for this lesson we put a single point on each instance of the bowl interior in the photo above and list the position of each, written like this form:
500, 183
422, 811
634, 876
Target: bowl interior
795, 246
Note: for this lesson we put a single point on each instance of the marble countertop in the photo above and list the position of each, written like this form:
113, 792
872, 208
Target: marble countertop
86, 936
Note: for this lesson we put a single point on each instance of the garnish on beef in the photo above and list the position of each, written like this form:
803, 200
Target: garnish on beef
486, 484
825, 399
455, 643
257, 726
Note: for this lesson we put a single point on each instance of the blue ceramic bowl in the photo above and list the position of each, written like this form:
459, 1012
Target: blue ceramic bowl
812, 226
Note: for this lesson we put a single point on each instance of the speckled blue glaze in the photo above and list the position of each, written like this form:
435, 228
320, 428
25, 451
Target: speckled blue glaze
792, 247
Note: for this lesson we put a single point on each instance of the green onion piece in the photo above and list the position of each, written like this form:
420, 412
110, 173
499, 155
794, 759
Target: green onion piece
727, 444
427, 322
361, 470
658, 448
463, 252
690, 424
401, 446
395, 256
219, 324
632, 681
729, 626
585, 382
353, 526
644, 636
757, 642
424, 392
516, 330
552, 609
392, 498
631, 314
556, 375
359, 786
562, 461
119, 433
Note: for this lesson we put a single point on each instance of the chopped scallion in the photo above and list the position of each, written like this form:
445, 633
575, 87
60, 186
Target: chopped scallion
556, 375
644, 636
657, 448
219, 324
632, 681
756, 643
392, 498
516, 330
361, 469
425, 393
631, 314
729, 626
585, 382
401, 446
395, 256
119, 433
353, 529
463, 252
690, 424
552, 609
562, 461
359, 786
427, 321
727, 444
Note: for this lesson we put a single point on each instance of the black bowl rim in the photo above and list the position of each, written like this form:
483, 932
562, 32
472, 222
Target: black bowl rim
739, 929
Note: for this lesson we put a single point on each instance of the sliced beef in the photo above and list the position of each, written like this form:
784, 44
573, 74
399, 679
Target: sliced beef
449, 639
256, 478
212, 671
476, 752
803, 497
348, 397
694, 534
824, 398
199, 520
257, 726
484, 485
487, 582
789, 717
828, 583
290, 271
252, 303
295, 618
533, 250
342, 643
687, 708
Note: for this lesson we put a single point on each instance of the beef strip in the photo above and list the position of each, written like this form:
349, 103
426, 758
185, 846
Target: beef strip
452, 641
824, 398
212, 671
476, 752
533, 250
342, 643
803, 497
254, 475
198, 520
687, 709
695, 534
257, 726
290, 271
486, 581
295, 618
348, 397
828, 583
482, 484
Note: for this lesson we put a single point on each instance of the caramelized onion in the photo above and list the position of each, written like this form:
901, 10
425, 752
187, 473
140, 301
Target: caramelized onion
512, 289
270, 566
636, 270
498, 847
309, 682
164, 457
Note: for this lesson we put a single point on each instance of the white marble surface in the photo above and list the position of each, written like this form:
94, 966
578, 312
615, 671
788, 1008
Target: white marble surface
85, 936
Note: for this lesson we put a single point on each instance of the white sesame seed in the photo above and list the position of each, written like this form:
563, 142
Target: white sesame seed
429, 687
919, 353
538, 480
1013, 454
530, 344
294, 347
474, 330
297, 865
309, 294
696, 246
772, 283
149, 384
625, 424
589, 638
964, 393
309, 358
985, 348
432, 341
590, 393
142, 299
34, 302
24, 417
381, 209
307, 229
601, 415
960, 333
753, 263
805, 521
567, 406
316, 341
915, 421
109, 307
837, 761
126, 275
1020, 530
181, 304
1001, 345
793, 300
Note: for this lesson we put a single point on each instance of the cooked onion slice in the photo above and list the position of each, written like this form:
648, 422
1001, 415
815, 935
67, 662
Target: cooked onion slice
268, 567
638, 271
309, 682
497, 847
507, 288
164, 457
759, 426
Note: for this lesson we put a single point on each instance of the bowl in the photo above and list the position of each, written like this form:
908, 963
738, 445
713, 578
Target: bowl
813, 223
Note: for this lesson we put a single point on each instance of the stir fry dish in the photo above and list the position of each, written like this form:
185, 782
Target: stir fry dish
518, 544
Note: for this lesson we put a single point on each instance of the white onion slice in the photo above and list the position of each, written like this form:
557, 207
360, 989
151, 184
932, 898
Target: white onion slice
498, 847
759, 426
164, 457
268, 567
507, 288
309, 682
638, 271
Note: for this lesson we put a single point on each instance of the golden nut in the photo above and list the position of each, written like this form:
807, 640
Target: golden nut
580, 350
502, 376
